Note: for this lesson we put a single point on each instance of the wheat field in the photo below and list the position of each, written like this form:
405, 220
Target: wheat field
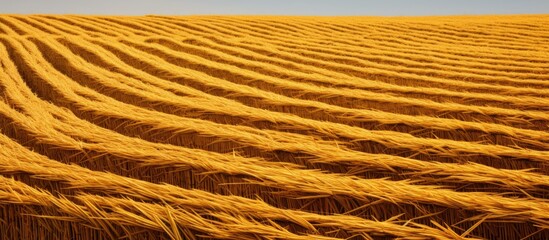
241, 127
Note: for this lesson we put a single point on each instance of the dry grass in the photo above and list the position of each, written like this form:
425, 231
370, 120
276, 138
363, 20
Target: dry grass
274, 127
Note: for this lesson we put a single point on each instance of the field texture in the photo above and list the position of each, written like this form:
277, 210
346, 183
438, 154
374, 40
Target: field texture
235, 127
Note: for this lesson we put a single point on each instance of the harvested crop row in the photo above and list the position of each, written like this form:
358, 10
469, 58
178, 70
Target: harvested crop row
346, 97
285, 143
424, 51
215, 127
242, 171
114, 215
341, 42
443, 166
285, 42
448, 80
341, 130
385, 57
335, 79
17, 159
171, 73
291, 175
190, 24
471, 96
105, 59
81, 26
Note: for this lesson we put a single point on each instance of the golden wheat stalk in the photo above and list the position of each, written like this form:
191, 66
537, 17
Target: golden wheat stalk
470, 172
17, 159
255, 114
104, 212
274, 127
393, 191
444, 148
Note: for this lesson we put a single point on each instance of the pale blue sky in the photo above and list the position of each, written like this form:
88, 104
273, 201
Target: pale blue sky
276, 7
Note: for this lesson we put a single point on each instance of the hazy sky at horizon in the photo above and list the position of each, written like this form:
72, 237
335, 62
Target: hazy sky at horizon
276, 7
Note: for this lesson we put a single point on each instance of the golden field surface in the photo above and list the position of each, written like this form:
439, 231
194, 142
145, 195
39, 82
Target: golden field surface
218, 127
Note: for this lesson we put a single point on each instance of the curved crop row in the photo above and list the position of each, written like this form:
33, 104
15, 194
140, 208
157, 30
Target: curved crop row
239, 127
